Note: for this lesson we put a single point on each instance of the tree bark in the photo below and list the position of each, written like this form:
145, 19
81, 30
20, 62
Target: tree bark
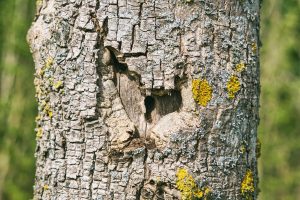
146, 99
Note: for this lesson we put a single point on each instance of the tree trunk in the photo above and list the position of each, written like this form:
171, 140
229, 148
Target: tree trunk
146, 99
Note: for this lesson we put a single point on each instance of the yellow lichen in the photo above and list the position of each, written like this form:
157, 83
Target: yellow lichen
39, 2
247, 185
47, 65
38, 87
185, 183
37, 118
47, 110
242, 149
233, 86
39, 91
198, 194
46, 187
41, 72
203, 193
39, 132
254, 47
188, 187
49, 62
207, 191
202, 91
58, 85
240, 67
51, 80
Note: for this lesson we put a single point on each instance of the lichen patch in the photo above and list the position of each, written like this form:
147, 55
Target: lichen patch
186, 184
233, 86
254, 47
202, 91
247, 185
240, 67
39, 133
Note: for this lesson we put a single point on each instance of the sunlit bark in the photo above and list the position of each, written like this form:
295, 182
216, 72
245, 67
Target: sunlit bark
145, 99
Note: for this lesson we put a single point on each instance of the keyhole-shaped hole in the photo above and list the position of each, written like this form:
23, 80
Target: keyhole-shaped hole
150, 106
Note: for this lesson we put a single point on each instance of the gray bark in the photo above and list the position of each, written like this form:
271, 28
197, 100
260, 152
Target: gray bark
146, 99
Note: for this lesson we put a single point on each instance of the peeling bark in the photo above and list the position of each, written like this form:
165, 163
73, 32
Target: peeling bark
119, 108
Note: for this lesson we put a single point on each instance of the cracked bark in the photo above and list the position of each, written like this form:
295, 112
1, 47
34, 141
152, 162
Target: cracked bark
117, 118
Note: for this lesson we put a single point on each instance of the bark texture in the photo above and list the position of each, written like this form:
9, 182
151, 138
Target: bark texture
146, 99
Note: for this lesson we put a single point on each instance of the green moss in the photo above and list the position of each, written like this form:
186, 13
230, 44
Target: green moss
202, 91
247, 185
187, 186
233, 86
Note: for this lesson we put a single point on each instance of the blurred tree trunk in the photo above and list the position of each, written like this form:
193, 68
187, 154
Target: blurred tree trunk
16, 101
145, 99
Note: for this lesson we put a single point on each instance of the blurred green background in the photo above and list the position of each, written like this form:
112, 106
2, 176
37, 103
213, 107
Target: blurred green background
279, 131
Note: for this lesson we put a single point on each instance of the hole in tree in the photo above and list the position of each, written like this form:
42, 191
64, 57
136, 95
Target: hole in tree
169, 103
150, 105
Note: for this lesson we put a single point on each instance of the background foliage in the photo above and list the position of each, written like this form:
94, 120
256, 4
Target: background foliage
17, 103
280, 101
